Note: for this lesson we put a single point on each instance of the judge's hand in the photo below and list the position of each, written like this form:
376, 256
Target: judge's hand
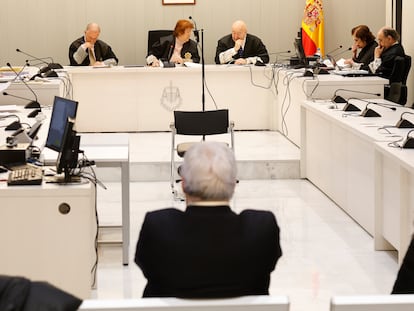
378, 51
155, 63
88, 45
349, 61
354, 48
238, 44
177, 59
240, 61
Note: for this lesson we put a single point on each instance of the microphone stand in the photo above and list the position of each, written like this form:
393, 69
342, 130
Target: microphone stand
203, 76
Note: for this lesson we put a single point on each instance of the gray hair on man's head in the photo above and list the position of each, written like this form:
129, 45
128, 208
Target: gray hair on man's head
209, 171
388, 31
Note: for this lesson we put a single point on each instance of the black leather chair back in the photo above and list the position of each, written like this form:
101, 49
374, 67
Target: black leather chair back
155, 35
407, 67
396, 91
398, 70
201, 122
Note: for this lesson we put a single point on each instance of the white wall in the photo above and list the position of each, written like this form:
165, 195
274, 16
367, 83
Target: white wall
46, 27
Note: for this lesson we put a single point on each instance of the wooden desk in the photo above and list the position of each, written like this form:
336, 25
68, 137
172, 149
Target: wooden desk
107, 150
40, 241
244, 303
294, 88
372, 302
346, 156
122, 99
394, 198
44, 90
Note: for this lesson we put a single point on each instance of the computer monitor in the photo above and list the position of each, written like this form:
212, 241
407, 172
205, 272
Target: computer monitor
68, 155
63, 108
300, 53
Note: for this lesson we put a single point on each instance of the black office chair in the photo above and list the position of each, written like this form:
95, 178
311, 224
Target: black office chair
201, 124
155, 35
396, 91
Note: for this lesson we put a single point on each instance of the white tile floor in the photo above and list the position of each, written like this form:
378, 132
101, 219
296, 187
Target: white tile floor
325, 252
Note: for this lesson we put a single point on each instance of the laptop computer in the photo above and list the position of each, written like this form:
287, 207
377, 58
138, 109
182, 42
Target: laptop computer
346, 72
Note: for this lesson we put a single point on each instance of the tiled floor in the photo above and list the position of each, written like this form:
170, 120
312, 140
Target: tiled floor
325, 252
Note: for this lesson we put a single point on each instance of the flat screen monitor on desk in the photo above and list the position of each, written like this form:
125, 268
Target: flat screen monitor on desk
300, 53
63, 108
68, 155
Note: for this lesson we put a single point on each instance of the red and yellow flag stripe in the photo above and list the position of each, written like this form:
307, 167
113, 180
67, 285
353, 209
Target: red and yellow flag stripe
313, 27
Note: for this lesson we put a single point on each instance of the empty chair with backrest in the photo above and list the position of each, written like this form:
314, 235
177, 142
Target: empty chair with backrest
396, 90
201, 124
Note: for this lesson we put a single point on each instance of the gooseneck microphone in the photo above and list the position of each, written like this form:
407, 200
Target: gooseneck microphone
270, 54
46, 71
15, 125
408, 143
33, 103
170, 51
41, 60
404, 123
166, 62
12, 95
195, 31
340, 99
351, 107
17, 77
369, 113
51, 65
334, 50
34, 57
341, 52
277, 53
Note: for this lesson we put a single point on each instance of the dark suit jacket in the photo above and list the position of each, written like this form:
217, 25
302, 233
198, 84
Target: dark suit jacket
164, 48
102, 52
387, 60
366, 55
207, 252
253, 47
404, 284
21, 294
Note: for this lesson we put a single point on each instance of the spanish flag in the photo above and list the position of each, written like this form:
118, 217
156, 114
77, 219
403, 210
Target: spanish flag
313, 28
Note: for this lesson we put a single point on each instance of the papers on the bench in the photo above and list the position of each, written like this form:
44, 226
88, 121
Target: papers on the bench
8, 108
351, 72
4, 86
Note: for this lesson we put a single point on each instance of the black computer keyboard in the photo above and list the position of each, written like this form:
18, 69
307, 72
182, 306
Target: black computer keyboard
25, 175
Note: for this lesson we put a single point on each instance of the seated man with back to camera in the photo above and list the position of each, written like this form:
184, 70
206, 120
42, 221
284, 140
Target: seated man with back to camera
385, 53
90, 51
208, 251
176, 48
241, 47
